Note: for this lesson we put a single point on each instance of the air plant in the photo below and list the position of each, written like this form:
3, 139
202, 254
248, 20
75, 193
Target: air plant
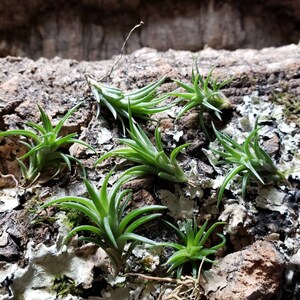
152, 158
44, 147
192, 250
249, 160
143, 101
110, 228
203, 93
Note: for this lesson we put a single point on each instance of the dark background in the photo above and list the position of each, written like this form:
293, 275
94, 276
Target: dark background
95, 29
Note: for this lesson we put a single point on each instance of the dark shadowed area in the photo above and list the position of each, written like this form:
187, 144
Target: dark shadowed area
96, 29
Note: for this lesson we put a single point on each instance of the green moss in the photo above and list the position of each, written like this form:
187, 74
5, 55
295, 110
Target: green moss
291, 105
73, 218
63, 286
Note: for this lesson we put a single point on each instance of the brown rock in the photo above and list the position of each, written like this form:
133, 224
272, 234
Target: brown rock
272, 145
139, 183
190, 120
250, 274
96, 29
142, 198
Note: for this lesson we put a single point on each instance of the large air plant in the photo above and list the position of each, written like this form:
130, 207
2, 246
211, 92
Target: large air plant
143, 101
249, 160
110, 227
152, 159
204, 93
192, 249
44, 144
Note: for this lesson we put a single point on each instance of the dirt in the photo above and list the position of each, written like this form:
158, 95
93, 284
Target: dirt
267, 221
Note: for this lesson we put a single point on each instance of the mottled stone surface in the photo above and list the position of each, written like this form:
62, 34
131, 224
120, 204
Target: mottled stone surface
96, 29
250, 274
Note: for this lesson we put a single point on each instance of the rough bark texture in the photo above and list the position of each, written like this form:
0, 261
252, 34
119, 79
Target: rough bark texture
58, 84
96, 29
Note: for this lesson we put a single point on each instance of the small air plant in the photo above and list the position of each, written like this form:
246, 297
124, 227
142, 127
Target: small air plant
152, 159
44, 144
192, 251
143, 101
249, 160
110, 228
203, 93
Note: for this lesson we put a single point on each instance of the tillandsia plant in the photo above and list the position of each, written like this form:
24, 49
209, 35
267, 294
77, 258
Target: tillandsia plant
110, 228
143, 101
192, 250
249, 160
43, 144
203, 93
152, 159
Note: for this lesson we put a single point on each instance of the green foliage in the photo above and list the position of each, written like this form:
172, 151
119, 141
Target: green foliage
111, 229
152, 159
291, 103
249, 160
143, 101
63, 286
203, 93
44, 144
192, 250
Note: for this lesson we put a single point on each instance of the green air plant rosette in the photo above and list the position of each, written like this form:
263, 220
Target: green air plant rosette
249, 160
152, 159
110, 228
143, 102
44, 142
203, 93
192, 250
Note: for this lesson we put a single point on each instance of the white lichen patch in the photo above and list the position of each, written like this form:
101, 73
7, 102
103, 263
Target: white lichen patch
290, 250
130, 291
292, 167
255, 106
46, 263
113, 280
175, 134
115, 293
193, 174
197, 182
271, 198
6, 269
179, 205
8, 199
173, 111
146, 259
149, 291
193, 191
217, 182
260, 107
77, 189
295, 259
213, 158
104, 137
235, 215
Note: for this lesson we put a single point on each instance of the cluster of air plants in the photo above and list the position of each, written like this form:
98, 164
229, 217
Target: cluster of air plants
143, 102
111, 226
151, 159
44, 143
205, 94
192, 251
249, 160
111, 229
